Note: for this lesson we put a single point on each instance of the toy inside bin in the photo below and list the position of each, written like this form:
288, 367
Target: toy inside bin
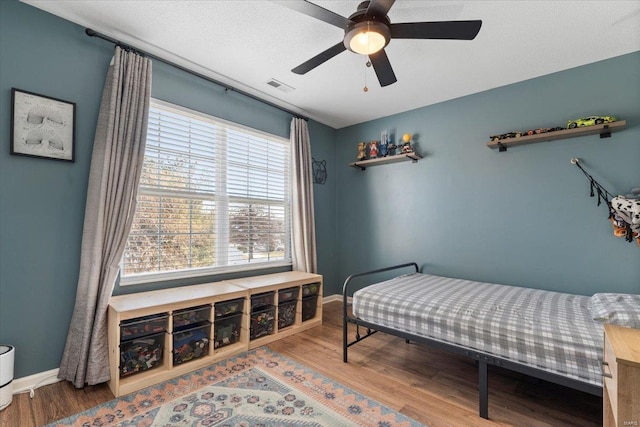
191, 343
309, 306
262, 322
141, 326
227, 308
288, 294
141, 354
287, 313
227, 330
310, 289
262, 301
182, 319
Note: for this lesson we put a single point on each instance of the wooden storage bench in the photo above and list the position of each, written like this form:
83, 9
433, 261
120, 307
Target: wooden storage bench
220, 310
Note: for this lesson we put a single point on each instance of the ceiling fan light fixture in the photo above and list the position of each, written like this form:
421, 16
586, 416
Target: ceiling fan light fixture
367, 42
367, 38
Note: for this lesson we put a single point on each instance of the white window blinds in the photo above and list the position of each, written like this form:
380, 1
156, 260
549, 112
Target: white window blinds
213, 196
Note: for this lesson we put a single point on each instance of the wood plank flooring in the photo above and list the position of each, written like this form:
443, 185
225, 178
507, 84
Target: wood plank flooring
430, 386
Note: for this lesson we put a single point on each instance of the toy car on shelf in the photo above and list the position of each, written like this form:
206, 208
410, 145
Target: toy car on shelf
589, 121
505, 136
524, 133
541, 130
537, 131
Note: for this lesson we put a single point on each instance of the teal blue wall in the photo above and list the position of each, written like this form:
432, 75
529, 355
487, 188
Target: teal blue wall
523, 217
42, 201
325, 207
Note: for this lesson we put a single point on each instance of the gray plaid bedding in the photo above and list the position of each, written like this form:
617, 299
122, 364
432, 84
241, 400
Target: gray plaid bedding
548, 330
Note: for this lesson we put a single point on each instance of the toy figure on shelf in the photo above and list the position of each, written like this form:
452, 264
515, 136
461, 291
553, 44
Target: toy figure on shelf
406, 146
362, 154
373, 149
391, 148
384, 145
385, 141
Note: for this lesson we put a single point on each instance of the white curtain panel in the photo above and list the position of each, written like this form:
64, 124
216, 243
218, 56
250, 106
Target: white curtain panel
303, 231
116, 165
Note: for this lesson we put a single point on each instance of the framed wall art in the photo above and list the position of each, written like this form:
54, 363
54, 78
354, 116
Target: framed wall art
42, 126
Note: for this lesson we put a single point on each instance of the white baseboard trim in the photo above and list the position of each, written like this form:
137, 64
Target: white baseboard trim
32, 382
335, 297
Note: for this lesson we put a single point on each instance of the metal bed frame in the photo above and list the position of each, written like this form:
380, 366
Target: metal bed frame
483, 359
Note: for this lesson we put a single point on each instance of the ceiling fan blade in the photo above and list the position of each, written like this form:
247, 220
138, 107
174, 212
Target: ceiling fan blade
320, 58
382, 67
379, 8
315, 11
453, 30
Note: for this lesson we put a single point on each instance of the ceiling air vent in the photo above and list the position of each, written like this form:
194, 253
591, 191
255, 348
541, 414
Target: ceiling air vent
280, 86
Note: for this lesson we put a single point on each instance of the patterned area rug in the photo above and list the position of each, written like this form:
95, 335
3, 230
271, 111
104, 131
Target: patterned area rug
260, 388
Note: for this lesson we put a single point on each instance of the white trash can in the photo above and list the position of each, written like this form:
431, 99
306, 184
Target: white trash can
7, 353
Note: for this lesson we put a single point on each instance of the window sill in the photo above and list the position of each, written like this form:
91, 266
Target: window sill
187, 274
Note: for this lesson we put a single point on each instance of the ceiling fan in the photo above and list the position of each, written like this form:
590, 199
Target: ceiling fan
368, 30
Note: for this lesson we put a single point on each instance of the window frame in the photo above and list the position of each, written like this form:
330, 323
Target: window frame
197, 272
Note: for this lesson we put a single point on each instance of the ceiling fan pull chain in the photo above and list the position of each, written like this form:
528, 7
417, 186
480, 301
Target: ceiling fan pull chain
365, 88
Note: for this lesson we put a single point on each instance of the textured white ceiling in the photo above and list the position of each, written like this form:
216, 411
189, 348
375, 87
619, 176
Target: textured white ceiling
245, 43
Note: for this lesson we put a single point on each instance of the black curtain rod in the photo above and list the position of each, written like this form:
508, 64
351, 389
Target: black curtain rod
128, 48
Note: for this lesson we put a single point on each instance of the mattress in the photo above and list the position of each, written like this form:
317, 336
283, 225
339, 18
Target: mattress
548, 330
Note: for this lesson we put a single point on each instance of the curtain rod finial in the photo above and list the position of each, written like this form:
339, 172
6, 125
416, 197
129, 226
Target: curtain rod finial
575, 160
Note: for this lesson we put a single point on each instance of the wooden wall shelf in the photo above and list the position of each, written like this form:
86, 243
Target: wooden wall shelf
604, 130
362, 164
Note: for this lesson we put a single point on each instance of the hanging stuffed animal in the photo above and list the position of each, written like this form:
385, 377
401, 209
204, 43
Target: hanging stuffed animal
626, 215
624, 211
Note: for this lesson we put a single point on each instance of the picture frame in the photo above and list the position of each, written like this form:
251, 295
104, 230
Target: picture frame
42, 126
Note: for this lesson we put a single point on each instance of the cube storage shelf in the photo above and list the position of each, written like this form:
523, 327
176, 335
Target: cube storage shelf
281, 284
158, 335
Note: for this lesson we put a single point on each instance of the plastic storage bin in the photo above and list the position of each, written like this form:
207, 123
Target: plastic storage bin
310, 289
191, 343
287, 313
226, 308
141, 354
309, 305
288, 294
262, 322
261, 301
141, 326
182, 319
226, 330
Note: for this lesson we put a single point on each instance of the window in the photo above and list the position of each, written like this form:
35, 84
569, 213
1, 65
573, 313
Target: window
213, 197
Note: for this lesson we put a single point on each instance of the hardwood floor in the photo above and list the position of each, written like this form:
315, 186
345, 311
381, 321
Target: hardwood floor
431, 386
